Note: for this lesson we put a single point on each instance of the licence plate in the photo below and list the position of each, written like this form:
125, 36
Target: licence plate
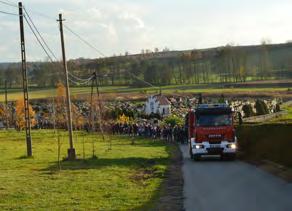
215, 145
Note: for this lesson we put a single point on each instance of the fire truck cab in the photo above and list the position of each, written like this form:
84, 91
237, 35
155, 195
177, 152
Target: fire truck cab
211, 131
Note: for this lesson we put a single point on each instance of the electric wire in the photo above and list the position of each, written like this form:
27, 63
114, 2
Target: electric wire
38, 40
48, 48
8, 3
84, 41
44, 44
149, 84
77, 78
8, 13
42, 15
93, 47
80, 83
67, 27
49, 57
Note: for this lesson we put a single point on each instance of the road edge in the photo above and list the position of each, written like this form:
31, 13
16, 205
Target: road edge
171, 195
271, 167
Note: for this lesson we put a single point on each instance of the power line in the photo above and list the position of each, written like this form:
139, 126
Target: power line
44, 44
33, 28
149, 84
40, 34
8, 13
8, 3
93, 47
41, 44
81, 83
42, 15
72, 75
83, 40
70, 30
77, 78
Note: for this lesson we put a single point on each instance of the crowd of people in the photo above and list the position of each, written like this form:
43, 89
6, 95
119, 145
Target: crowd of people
167, 132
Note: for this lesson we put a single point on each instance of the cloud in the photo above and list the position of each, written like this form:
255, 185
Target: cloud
116, 26
136, 21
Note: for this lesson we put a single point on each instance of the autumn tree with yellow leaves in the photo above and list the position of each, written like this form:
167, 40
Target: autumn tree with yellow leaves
61, 113
2, 112
124, 119
78, 119
20, 115
60, 108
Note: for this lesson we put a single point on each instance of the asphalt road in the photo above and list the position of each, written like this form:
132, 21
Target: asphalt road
214, 185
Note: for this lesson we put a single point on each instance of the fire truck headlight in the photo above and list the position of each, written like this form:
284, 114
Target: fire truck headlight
232, 146
198, 146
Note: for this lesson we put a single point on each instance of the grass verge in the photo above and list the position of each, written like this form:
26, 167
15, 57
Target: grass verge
127, 177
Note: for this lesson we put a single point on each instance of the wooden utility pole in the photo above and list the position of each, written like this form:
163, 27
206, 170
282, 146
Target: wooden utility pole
6, 107
71, 150
91, 117
24, 83
99, 113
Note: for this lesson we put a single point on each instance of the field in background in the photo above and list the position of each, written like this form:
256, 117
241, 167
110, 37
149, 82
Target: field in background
287, 118
122, 91
128, 177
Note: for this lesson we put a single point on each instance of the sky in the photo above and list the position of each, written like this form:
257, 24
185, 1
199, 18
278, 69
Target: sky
118, 26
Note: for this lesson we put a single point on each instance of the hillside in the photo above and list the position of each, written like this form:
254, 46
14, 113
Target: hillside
227, 64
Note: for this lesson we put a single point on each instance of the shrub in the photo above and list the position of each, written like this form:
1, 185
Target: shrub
173, 120
261, 107
247, 109
277, 108
155, 116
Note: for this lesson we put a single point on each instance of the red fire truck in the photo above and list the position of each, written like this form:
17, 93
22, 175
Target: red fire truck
211, 131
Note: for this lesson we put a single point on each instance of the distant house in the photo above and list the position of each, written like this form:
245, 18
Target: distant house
158, 104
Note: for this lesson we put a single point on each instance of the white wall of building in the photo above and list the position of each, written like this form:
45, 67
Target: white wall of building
153, 106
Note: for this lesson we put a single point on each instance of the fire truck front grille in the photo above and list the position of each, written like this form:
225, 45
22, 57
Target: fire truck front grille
214, 151
215, 141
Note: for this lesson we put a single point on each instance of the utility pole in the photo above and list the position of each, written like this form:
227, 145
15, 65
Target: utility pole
6, 107
71, 150
91, 117
99, 113
24, 83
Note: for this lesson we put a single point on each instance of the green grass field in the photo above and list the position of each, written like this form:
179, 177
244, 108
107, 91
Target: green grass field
14, 94
128, 177
287, 117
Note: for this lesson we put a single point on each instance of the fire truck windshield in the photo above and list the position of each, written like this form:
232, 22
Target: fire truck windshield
205, 120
